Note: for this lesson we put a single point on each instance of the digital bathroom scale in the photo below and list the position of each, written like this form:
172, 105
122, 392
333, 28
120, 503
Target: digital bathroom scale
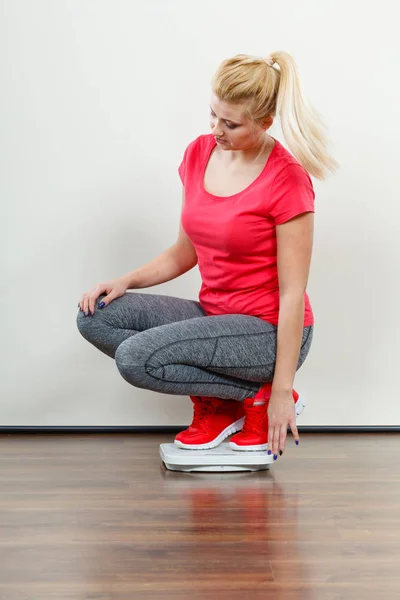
221, 458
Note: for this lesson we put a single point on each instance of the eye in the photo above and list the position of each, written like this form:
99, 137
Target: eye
227, 124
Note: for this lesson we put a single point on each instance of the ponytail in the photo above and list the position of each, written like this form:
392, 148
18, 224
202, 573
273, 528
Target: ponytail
272, 91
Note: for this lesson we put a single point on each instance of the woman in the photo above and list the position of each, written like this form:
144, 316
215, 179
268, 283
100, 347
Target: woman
247, 221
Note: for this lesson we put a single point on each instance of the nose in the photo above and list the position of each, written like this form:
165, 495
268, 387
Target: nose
217, 132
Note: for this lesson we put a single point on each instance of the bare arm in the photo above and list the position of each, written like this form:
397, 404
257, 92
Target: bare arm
173, 262
295, 241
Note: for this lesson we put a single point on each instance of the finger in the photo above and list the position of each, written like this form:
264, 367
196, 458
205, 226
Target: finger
92, 299
275, 442
270, 438
85, 305
282, 439
295, 433
92, 302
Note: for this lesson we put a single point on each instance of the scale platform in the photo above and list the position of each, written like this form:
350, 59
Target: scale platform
221, 458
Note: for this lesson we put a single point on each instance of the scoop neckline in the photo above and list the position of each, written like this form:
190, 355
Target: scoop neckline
212, 146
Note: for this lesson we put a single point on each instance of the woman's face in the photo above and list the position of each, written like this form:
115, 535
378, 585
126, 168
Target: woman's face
232, 130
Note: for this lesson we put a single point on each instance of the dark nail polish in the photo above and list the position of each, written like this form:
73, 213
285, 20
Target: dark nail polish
280, 452
297, 442
102, 304
275, 456
269, 452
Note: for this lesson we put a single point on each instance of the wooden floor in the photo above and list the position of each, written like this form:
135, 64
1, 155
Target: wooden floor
98, 516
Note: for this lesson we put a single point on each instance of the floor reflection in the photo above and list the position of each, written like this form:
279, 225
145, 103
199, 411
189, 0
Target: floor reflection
246, 516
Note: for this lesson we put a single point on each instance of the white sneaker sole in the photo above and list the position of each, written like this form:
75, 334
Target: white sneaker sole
233, 428
300, 405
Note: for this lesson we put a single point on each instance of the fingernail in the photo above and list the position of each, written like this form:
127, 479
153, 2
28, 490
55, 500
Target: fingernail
102, 304
280, 452
275, 456
269, 452
297, 442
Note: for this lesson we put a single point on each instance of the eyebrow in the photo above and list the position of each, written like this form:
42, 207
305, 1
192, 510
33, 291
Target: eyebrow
230, 121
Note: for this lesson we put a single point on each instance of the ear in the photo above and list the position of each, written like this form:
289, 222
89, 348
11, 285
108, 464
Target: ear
267, 123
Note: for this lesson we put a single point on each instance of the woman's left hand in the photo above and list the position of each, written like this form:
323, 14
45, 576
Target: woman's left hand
281, 413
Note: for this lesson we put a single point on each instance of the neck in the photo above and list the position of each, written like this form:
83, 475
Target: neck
253, 154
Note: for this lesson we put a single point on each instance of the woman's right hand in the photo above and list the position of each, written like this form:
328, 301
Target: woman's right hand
114, 289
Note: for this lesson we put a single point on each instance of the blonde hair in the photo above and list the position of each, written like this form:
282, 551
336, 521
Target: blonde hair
269, 91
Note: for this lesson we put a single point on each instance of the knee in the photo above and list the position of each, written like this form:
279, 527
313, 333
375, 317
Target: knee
83, 323
88, 324
129, 359
81, 320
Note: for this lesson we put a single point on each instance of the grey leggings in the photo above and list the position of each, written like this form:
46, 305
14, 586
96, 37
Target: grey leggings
169, 345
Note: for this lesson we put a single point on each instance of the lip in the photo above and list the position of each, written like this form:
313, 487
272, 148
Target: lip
220, 141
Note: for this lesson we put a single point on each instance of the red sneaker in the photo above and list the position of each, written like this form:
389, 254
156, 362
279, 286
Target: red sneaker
254, 435
214, 419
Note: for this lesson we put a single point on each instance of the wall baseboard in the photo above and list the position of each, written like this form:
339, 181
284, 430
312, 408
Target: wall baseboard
177, 428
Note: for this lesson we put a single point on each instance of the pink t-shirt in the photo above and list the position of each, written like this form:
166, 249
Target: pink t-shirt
235, 236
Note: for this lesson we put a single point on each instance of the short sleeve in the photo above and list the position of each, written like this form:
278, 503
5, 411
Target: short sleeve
292, 194
182, 167
190, 156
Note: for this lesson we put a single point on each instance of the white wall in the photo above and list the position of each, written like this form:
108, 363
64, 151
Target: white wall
98, 102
